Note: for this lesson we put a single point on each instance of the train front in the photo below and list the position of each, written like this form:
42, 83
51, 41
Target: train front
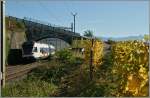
27, 48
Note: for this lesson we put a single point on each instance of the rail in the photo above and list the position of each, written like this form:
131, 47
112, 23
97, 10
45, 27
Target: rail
14, 72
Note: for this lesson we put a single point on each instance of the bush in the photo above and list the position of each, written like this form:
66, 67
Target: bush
93, 90
110, 41
51, 75
17, 25
64, 55
20, 25
130, 63
76, 61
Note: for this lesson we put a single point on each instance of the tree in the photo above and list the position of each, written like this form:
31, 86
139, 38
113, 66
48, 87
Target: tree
146, 37
88, 33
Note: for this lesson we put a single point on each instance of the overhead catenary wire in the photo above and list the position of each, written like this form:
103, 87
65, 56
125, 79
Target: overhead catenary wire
72, 12
46, 11
67, 7
49, 11
54, 16
23, 5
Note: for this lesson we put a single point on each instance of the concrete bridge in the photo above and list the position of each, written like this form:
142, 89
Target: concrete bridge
36, 30
60, 37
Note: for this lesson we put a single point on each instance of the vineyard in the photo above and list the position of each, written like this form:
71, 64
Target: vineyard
130, 62
129, 65
121, 71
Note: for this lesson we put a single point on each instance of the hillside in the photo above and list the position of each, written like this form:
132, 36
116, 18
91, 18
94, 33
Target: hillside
140, 37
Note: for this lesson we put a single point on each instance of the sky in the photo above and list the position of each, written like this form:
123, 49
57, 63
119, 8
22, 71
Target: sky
104, 18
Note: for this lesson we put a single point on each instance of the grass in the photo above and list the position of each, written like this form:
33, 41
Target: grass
43, 81
69, 77
26, 88
64, 79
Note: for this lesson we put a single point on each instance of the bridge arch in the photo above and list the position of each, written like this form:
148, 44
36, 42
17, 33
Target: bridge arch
67, 39
57, 42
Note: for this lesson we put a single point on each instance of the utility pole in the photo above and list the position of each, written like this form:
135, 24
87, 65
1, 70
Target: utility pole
74, 16
72, 27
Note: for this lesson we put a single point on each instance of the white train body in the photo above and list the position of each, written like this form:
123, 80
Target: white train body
37, 50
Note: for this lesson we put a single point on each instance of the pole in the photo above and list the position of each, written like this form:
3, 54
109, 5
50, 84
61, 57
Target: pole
3, 65
74, 16
72, 27
74, 22
91, 61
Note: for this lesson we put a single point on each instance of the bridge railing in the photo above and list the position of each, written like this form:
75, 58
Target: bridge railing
46, 23
55, 27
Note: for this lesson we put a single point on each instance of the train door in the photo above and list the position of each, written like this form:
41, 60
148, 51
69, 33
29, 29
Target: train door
36, 51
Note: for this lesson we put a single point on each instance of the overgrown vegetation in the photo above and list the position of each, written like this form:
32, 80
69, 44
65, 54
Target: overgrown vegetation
51, 74
147, 37
122, 71
64, 55
12, 24
28, 88
131, 67
88, 33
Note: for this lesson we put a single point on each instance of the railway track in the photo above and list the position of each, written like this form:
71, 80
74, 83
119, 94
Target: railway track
14, 72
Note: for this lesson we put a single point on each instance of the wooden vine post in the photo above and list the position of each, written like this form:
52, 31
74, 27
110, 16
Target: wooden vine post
91, 60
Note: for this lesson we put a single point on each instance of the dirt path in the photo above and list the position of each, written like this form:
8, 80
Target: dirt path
106, 48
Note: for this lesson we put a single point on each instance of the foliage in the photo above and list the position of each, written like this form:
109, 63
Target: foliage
97, 49
43, 80
76, 61
26, 88
123, 71
51, 75
64, 55
109, 41
130, 60
88, 33
93, 90
54, 73
147, 37
20, 25
14, 24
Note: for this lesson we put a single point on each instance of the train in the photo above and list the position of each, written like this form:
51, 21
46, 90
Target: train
37, 50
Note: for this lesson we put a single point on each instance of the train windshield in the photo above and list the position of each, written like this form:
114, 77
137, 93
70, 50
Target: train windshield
35, 49
27, 49
44, 50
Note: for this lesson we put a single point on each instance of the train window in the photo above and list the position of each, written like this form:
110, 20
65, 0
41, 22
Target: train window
44, 50
47, 49
41, 49
35, 49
